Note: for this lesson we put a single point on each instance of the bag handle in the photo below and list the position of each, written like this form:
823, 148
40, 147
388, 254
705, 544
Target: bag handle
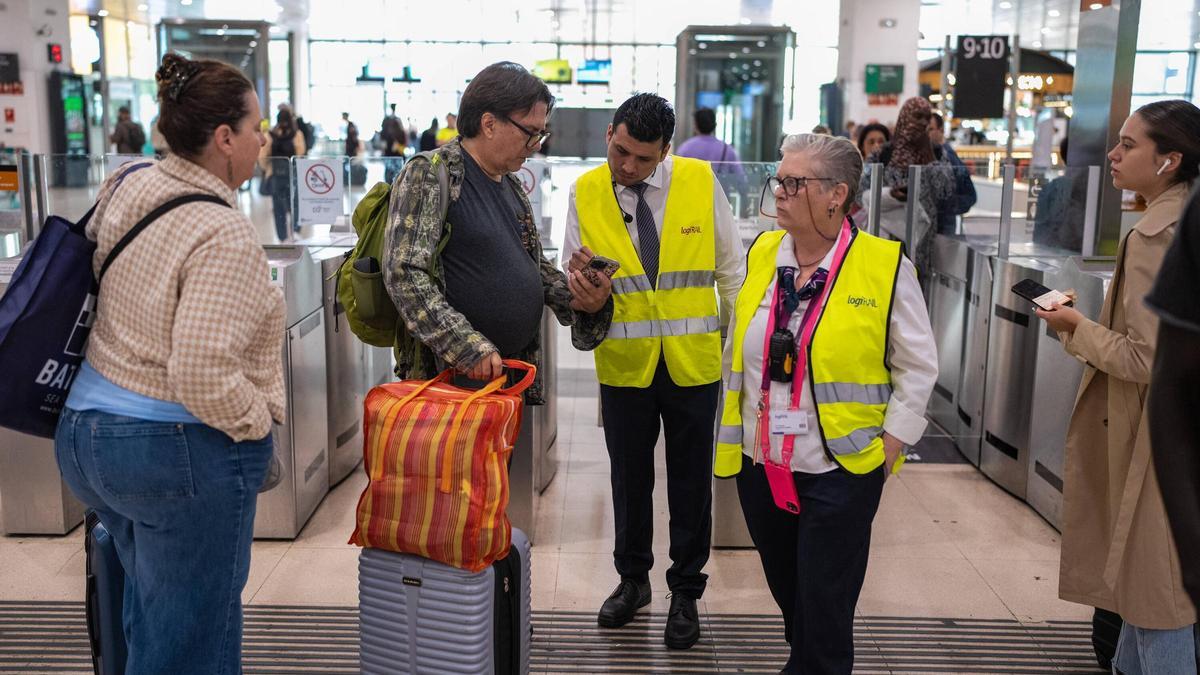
522, 384
443, 376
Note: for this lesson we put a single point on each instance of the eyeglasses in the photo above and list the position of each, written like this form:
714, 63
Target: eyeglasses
536, 138
792, 184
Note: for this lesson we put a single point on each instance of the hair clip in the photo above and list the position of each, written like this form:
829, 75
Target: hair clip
177, 74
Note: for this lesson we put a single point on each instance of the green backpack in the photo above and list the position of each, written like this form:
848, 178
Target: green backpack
360, 290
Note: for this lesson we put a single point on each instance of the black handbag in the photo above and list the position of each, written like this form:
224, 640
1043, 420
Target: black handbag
264, 186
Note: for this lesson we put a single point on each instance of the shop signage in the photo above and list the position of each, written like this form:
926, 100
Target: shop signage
884, 84
320, 188
884, 79
553, 71
9, 181
980, 71
10, 74
10, 68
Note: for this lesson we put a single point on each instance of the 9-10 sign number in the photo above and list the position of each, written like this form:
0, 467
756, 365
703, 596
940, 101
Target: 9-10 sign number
984, 48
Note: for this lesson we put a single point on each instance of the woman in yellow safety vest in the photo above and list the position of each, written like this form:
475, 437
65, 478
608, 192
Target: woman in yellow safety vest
827, 373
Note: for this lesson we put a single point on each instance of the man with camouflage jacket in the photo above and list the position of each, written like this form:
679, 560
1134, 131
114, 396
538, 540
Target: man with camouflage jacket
470, 288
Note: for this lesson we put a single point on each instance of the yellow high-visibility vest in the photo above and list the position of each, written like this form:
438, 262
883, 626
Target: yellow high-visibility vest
847, 358
678, 318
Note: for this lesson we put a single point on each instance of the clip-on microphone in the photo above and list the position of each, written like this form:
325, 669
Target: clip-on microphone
628, 218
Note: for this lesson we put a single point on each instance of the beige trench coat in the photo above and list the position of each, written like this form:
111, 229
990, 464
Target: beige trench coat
1117, 548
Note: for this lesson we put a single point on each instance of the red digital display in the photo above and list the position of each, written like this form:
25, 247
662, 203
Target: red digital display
54, 53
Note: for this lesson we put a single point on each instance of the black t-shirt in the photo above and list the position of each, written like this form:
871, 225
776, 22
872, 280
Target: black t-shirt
1176, 293
490, 277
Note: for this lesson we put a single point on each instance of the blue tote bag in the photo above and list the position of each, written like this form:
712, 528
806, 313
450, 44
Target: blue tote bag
47, 313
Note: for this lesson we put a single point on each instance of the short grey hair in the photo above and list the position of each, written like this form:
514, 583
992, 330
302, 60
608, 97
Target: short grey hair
836, 158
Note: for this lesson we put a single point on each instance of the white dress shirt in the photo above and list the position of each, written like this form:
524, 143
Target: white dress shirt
912, 356
731, 256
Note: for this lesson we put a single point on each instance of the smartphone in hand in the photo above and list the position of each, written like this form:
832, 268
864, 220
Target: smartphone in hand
600, 265
1039, 295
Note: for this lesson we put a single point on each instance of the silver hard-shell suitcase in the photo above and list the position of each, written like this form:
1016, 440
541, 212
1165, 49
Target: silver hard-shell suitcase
421, 616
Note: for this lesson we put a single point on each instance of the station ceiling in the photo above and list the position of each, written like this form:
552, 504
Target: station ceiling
1042, 24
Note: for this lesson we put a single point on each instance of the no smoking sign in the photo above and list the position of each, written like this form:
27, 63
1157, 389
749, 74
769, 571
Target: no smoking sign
528, 181
320, 179
319, 191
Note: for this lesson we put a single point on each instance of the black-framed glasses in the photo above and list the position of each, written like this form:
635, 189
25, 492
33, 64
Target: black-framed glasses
535, 137
792, 185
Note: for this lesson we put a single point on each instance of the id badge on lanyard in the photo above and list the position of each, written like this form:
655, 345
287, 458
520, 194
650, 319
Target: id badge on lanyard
791, 421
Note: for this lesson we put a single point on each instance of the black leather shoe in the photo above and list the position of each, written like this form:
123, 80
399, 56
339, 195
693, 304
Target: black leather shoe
623, 604
683, 623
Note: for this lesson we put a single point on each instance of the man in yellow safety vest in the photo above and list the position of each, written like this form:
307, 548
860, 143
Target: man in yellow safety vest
668, 224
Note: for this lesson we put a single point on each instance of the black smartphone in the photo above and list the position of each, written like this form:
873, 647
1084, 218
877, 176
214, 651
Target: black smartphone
1043, 297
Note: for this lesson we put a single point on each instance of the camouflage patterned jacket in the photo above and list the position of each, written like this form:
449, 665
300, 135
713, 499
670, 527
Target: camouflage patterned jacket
437, 333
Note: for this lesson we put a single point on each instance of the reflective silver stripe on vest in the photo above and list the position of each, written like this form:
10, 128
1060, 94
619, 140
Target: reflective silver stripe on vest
640, 283
634, 284
664, 328
686, 279
855, 441
735, 383
850, 392
729, 434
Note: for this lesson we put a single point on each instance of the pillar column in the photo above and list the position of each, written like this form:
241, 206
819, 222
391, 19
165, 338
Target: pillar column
1103, 87
884, 32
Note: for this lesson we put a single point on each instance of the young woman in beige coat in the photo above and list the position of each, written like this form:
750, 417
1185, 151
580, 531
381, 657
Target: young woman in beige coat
1117, 551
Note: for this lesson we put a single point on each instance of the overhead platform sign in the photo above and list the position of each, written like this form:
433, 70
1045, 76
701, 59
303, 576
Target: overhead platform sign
981, 66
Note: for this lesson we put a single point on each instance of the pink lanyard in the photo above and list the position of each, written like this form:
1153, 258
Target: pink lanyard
807, 326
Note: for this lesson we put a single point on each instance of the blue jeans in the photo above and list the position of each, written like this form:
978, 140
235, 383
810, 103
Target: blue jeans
1142, 651
179, 502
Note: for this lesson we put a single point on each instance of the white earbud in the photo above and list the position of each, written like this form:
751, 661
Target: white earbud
1163, 167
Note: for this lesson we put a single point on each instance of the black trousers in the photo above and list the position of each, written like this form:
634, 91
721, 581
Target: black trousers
815, 562
631, 423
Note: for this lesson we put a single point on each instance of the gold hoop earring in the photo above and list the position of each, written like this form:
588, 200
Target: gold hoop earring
832, 208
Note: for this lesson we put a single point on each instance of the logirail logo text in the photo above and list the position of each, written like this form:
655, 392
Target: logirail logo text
861, 301
694, 229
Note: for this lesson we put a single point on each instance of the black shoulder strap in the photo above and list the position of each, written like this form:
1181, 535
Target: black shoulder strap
150, 218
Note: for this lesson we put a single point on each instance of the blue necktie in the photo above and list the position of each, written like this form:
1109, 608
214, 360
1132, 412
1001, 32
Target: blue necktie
647, 235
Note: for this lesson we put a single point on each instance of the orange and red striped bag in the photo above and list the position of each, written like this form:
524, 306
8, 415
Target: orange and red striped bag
437, 459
